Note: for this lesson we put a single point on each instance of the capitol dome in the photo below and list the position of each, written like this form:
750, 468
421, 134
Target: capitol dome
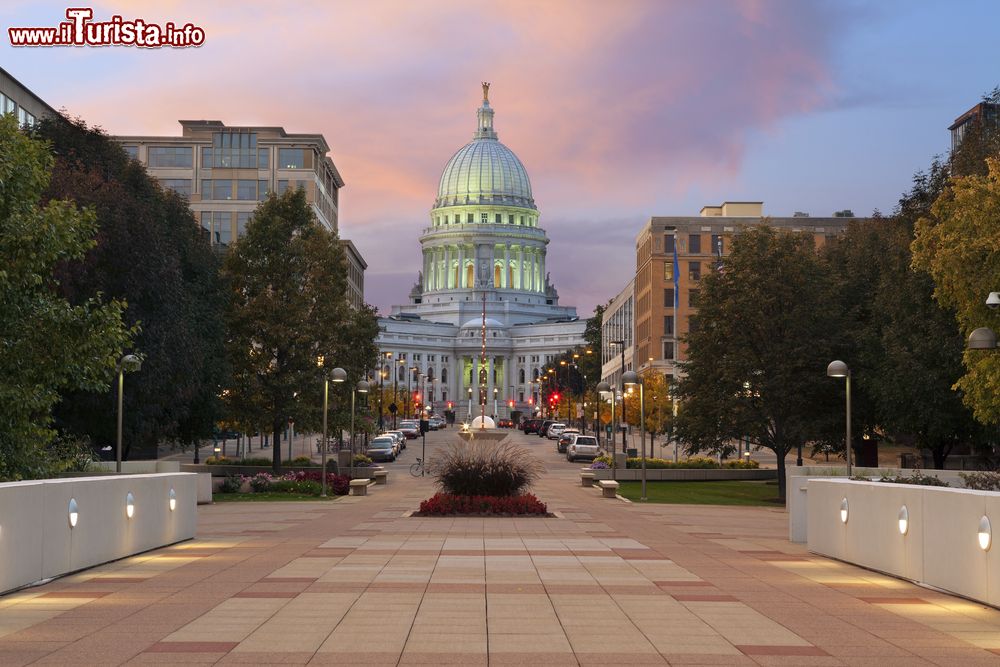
484, 171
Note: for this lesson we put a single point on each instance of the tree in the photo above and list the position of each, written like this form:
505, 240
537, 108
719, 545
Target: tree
958, 243
153, 255
49, 344
288, 310
756, 363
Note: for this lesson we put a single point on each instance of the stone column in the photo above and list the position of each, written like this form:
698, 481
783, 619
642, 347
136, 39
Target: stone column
426, 284
520, 267
460, 283
541, 271
447, 267
506, 266
490, 366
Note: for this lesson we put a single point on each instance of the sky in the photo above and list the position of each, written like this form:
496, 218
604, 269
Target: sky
619, 110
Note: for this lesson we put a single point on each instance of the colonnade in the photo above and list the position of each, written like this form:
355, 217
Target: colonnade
520, 267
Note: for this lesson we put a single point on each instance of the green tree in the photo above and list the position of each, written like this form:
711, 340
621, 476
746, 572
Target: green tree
288, 308
153, 255
49, 344
958, 243
756, 364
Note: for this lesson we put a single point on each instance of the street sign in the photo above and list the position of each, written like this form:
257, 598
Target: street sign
393, 408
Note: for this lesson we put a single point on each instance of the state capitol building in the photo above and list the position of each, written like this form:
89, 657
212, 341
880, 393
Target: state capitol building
484, 248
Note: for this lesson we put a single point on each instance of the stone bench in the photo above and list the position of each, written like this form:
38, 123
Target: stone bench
587, 478
359, 487
609, 488
381, 477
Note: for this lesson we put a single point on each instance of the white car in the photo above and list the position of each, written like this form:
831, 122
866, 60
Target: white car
555, 431
400, 438
583, 447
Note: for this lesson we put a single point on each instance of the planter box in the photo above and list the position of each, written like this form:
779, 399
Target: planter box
940, 547
686, 474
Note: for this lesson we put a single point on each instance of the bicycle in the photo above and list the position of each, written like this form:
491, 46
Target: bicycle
417, 469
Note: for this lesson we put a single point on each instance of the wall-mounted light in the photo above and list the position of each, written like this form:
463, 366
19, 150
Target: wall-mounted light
904, 520
173, 500
74, 513
843, 510
985, 534
129, 505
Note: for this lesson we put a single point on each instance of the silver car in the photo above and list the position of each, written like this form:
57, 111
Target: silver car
382, 448
583, 447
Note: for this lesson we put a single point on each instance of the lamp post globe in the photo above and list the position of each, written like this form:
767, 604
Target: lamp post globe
837, 369
982, 338
630, 378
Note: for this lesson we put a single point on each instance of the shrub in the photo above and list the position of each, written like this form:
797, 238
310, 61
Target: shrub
742, 464
303, 486
255, 461
485, 469
361, 461
917, 478
336, 484
981, 481
599, 465
232, 483
261, 482
219, 461
299, 462
444, 504
603, 458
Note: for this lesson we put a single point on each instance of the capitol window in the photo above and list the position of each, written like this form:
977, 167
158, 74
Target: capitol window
471, 218
499, 219
484, 217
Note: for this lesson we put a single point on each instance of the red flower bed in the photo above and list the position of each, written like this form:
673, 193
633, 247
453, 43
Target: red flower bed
338, 485
441, 504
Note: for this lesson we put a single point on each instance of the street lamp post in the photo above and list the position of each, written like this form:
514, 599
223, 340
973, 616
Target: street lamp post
336, 375
129, 362
631, 379
838, 369
360, 388
470, 405
621, 344
495, 413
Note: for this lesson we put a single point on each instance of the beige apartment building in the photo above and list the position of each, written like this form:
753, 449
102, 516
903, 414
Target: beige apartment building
225, 171
17, 99
672, 256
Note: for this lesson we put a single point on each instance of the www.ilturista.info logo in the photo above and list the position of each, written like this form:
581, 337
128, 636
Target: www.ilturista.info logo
81, 30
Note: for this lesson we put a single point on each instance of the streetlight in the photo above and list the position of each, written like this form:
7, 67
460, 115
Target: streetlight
495, 413
395, 382
632, 379
381, 386
838, 369
129, 362
605, 388
337, 375
621, 344
360, 388
470, 405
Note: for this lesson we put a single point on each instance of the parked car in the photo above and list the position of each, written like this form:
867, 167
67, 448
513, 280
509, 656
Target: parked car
565, 438
505, 423
555, 430
382, 448
410, 428
544, 428
531, 425
398, 437
436, 423
583, 447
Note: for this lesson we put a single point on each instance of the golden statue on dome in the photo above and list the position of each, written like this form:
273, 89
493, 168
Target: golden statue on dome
486, 91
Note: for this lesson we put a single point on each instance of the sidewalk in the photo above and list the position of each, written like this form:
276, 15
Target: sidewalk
355, 582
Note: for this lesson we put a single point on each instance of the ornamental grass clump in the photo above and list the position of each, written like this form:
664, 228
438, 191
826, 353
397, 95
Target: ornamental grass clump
981, 481
485, 469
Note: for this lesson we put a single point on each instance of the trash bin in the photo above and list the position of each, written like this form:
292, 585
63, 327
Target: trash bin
632, 453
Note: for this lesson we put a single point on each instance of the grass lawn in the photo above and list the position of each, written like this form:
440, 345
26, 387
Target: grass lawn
703, 493
264, 497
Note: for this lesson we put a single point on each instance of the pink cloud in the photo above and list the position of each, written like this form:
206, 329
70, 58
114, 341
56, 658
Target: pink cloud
616, 108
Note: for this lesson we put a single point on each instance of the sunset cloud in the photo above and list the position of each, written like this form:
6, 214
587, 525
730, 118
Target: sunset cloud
616, 108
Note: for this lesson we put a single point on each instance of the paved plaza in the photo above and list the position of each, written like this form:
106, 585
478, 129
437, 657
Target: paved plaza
357, 581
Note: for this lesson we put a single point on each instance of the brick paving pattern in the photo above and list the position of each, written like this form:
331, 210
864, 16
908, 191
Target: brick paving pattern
358, 582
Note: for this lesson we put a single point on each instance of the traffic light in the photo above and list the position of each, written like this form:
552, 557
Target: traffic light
450, 405
510, 404
555, 398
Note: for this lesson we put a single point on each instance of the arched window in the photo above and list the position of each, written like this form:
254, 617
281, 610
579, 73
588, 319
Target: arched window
444, 374
521, 376
534, 374
400, 375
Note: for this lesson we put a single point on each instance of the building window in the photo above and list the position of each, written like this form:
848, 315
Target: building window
668, 243
470, 218
263, 158
520, 376
668, 297
694, 271
219, 226
694, 244
693, 324
717, 249
668, 325
6, 104
668, 349
499, 219
242, 218
231, 150
178, 157
484, 217
522, 220
132, 152
291, 158
246, 190
217, 189
181, 186
668, 271
693, 297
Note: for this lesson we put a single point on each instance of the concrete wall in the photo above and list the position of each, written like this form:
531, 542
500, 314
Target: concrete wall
37, 541
140, 467
941, 545
799, 476
687, 474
